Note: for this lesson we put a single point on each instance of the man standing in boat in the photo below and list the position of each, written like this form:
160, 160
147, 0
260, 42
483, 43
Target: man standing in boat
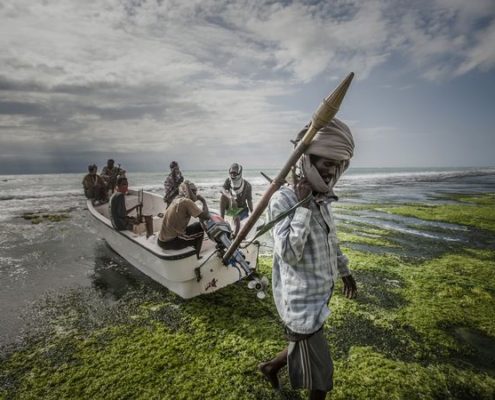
94, 185
172, 182
118, 211
237, 194
110, 173
176, 233
307, 261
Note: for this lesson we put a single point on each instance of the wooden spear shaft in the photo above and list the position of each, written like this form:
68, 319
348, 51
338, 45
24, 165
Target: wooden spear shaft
323, 115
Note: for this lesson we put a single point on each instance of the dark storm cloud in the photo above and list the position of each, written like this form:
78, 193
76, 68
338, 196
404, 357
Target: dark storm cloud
18, 108
20, 86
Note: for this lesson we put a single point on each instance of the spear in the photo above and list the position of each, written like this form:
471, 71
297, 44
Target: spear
322, 116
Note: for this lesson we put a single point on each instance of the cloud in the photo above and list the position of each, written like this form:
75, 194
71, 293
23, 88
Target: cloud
482, 55
114, 75
445, 38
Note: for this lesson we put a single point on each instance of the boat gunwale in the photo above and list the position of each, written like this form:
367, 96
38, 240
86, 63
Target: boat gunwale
101, 218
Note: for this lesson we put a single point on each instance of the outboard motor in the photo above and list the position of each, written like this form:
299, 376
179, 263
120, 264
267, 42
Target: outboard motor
220, 231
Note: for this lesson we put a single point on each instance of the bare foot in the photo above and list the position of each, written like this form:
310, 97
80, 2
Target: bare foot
269, 375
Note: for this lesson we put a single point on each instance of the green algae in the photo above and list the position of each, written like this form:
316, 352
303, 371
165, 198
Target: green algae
212, 352
476, 211
419, 329
233, 211
366, 237
461, 293
366, 374
398, 340
37, 218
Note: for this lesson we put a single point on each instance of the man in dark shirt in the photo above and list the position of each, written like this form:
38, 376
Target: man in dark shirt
110, 173
94, 185
118, 211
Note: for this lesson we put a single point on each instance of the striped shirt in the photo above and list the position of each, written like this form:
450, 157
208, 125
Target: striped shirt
306, 261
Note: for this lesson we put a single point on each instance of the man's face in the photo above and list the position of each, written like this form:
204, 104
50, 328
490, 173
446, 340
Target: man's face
194, 193
327, 168
92, 171
110, 164
234, 173
123, 187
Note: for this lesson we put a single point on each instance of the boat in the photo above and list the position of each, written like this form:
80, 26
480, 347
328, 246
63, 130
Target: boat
178, 270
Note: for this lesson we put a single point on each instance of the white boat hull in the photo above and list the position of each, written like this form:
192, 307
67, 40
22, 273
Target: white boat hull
180, 271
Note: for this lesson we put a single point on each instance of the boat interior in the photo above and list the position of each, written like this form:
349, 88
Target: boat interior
154, 207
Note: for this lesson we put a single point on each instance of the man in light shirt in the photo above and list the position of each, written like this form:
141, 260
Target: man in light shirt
307, 261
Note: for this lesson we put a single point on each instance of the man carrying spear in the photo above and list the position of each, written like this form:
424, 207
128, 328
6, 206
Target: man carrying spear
307, 261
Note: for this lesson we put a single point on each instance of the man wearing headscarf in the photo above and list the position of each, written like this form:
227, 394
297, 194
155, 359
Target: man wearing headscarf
94, 185
307, 261
172, 182
176, 233
237, 193
110, 173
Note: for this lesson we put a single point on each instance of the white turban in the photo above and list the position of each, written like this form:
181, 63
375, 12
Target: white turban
333, 141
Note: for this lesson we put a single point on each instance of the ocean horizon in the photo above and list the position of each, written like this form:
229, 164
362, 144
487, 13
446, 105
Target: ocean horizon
256, 168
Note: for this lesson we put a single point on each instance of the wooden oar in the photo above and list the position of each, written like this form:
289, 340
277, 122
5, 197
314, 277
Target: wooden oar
323, 115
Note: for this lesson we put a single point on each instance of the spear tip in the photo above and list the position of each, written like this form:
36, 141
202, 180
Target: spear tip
335, 98
329, 107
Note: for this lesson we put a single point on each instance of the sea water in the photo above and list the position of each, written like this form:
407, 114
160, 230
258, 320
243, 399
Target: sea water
53, 257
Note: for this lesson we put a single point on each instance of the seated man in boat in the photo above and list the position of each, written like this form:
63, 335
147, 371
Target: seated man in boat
110, 173
175, 233
172, 182
236, 194
94, 185
118, 211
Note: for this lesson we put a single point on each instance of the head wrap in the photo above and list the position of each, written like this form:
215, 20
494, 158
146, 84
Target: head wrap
236, 167
174, 164
237, 183
176, 174
186, 190
333, 141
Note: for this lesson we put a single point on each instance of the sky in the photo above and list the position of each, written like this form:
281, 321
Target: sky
208, 83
